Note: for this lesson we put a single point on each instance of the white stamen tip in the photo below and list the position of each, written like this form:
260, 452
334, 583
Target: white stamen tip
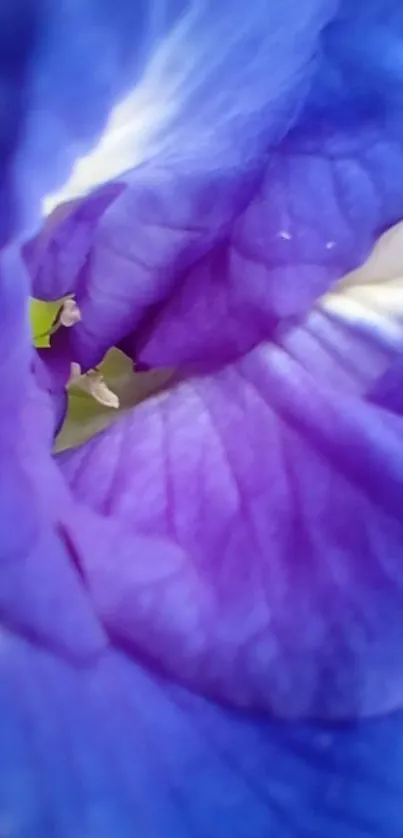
75, 371
100, 391
284, 234
70, 313
93, 383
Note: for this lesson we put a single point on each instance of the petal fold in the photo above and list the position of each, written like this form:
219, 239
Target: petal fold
284, 495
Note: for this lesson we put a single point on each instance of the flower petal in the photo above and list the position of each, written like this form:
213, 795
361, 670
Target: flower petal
284, 495
208, 259
87, 748
109, 750
353, 337
203, 173
42, 595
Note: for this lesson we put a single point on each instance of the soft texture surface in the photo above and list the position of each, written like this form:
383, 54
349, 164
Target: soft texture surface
238, 535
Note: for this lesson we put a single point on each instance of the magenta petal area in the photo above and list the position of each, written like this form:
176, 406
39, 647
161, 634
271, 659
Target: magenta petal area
285, 592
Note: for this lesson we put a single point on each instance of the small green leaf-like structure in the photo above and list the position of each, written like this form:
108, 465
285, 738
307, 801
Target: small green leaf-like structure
42, 316
85, 416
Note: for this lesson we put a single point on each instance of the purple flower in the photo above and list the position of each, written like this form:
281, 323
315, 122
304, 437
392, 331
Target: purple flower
202, 606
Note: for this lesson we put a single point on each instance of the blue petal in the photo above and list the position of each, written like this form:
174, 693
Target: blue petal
91, 749
388, 391
208, 259
110, 750
200, 175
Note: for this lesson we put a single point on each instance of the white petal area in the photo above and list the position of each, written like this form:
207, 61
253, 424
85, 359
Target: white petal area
126, 142
195, 94
132, 131
376, 305
385, 261
372, 295
354, 334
